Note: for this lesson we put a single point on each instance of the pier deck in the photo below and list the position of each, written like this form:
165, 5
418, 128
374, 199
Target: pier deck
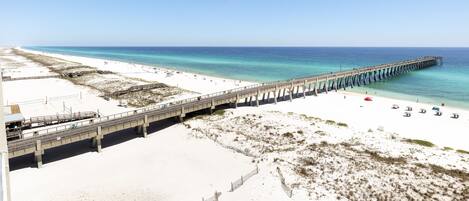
96, 129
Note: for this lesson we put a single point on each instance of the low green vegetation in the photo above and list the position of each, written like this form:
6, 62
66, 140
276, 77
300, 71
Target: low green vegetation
288, 135
219, 112
310, 118
342, 124
420, 142
462, 151
330, 122
447, 148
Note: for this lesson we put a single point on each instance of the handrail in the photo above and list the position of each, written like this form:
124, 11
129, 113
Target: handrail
205, 97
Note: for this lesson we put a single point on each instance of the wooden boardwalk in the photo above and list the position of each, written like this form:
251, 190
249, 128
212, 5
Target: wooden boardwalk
95, 130
9, 78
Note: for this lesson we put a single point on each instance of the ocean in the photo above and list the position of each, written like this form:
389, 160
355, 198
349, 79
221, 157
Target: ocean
448, 83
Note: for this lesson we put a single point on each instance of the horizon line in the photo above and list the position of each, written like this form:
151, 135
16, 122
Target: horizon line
236, 46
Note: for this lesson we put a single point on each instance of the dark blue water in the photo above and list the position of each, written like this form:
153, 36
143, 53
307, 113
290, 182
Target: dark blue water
448, 83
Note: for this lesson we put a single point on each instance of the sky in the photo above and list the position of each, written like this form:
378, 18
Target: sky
368, 23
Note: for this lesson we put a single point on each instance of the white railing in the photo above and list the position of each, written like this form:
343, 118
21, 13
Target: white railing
195, 99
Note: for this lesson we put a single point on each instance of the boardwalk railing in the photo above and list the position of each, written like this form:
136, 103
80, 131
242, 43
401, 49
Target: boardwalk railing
9, 78
280, 90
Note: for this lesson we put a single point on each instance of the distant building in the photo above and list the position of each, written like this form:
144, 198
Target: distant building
13, 120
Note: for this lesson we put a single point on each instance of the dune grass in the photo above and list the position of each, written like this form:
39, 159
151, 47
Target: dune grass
219, 112
330, 122
462, 151
342, 124
447, 149
420, 142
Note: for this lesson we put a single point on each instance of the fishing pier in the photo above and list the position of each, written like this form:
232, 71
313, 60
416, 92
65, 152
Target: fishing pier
95, 130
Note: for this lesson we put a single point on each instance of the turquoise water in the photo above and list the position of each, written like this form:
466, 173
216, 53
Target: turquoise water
448, 83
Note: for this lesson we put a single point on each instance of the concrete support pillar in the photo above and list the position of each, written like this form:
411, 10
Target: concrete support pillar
183, 114
275, 96
38, 153
268, 96
316, 86
297, 94
344, 82
97, 139
304, 91
283, 96
257, 99
236, 101
250, 101
278, 94
263, 97
325, 85
145, 126
369, 78
290, 94
335, 84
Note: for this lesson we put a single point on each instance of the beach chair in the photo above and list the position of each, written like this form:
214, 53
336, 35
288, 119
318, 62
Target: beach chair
395, 106
455, 116
407, 114
423, 111
409, 108
438, 113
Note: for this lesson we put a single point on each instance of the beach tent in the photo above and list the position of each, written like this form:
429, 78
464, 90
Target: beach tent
368, 99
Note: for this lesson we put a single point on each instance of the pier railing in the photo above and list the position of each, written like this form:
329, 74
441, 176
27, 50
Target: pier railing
34, 140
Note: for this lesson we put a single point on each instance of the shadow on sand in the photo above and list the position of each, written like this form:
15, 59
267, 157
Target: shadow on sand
84, 146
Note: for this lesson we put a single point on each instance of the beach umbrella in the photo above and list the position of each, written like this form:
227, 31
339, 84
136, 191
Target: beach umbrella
368, 99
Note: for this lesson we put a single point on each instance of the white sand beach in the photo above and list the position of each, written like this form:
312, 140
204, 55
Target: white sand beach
180, 163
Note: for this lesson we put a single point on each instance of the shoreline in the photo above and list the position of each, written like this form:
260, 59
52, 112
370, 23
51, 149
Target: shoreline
172, 77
